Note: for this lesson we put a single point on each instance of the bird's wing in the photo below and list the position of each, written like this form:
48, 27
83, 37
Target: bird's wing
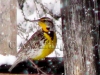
33, 44
30, 48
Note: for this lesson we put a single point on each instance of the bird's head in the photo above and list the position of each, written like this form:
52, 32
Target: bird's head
46, 24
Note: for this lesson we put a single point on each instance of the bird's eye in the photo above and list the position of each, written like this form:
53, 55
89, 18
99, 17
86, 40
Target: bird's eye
48, 28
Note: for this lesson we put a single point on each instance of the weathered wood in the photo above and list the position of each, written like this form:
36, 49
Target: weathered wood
8, 27
79, 22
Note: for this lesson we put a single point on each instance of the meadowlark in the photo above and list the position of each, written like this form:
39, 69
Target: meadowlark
41, 43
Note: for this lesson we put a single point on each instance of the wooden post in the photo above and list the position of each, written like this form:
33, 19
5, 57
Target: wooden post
8, 27
80, 36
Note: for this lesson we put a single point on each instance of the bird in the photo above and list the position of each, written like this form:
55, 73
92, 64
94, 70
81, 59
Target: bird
41, 43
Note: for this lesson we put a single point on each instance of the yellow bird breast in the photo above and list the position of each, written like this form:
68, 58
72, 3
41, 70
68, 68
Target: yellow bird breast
48, 47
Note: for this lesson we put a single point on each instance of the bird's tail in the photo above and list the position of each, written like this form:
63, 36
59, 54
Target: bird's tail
15, 63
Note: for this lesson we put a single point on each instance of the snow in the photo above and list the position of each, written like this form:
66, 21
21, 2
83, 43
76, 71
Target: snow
52, 5
88, 62
2, 33
20, 17
4, 59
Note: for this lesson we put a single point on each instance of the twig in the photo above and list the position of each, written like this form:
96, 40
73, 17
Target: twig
38, 69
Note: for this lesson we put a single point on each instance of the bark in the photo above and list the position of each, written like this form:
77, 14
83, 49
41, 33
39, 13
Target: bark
80, 36
8, 27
